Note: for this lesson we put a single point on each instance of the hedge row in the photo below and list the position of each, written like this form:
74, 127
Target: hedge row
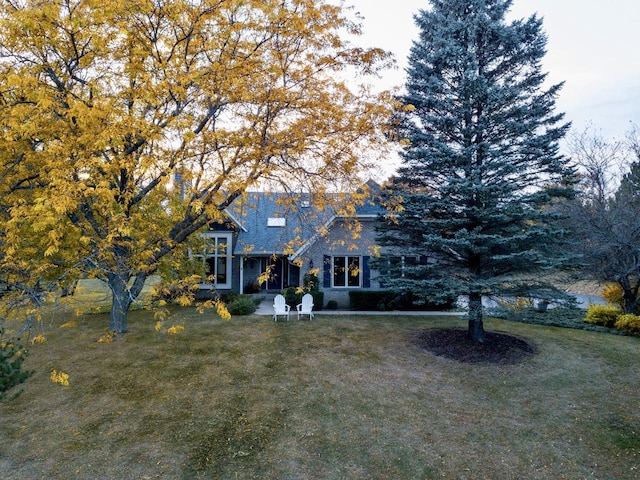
384, 300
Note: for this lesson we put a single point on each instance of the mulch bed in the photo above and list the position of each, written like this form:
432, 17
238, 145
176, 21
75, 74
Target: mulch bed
455, 344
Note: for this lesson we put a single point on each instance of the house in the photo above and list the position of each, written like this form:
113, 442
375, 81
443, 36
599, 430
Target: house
287, 237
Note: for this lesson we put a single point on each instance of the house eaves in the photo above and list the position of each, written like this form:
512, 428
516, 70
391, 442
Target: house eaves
235, 220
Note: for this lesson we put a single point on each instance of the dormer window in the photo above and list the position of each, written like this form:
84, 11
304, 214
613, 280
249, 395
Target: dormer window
276, 222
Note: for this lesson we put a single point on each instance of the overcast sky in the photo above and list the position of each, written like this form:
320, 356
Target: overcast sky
593, 46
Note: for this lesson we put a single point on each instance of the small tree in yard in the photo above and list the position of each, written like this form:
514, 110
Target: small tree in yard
104, 104
12, 373
605, 217
481, 159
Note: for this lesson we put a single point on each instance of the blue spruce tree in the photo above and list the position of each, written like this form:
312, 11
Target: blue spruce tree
481, 161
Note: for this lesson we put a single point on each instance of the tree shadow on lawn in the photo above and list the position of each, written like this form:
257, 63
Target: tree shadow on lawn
455, 344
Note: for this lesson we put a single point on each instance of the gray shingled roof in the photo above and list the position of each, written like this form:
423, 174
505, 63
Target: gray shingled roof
301, 221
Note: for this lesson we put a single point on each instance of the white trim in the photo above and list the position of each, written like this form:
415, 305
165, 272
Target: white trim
326, 226
228, 255
235, 220
312, 240
360, 271
241, 275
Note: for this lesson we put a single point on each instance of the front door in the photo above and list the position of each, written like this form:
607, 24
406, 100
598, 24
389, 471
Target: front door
276, 270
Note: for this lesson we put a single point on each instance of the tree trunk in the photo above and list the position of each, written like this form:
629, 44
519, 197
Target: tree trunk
120, 303
629, 299
476, 327
629, 294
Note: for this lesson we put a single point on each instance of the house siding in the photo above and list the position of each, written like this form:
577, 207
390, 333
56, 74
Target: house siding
264, 231
341, 241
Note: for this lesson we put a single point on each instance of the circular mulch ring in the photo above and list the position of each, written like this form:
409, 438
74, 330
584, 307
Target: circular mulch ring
455, 344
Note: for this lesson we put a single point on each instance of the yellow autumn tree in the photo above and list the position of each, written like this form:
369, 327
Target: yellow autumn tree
135, 124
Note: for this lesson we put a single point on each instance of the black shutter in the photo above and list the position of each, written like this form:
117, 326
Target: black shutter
366, 274
326, 277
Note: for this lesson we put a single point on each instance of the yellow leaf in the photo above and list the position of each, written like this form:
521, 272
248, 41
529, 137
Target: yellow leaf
38, 340
106, 338
222, 311
175, 329
60, 377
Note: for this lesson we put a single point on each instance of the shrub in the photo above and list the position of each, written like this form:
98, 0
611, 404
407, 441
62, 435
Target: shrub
514, 308
241, 305
613, 294
332, 305
605, 315
318, 299
629, 323
367, 300
517, 303
311, 282
566, 317
292, 296
229, 297
11, 372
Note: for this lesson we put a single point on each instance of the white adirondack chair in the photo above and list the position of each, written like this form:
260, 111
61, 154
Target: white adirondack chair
280, 307
306, 307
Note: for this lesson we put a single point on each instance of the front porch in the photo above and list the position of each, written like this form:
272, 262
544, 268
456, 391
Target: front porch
280, 274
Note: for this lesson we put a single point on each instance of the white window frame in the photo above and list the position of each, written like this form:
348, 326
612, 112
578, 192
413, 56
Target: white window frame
211, 239
276, 222
346, 273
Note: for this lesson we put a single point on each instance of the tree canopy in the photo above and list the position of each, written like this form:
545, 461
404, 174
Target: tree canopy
481, 160
605, 216
128, 126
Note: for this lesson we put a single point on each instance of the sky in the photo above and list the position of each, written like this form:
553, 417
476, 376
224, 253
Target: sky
593, 46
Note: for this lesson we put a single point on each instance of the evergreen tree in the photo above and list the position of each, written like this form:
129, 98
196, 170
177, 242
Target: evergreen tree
11, 371
481, 158
629, 191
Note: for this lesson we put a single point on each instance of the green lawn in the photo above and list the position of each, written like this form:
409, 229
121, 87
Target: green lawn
338, 398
